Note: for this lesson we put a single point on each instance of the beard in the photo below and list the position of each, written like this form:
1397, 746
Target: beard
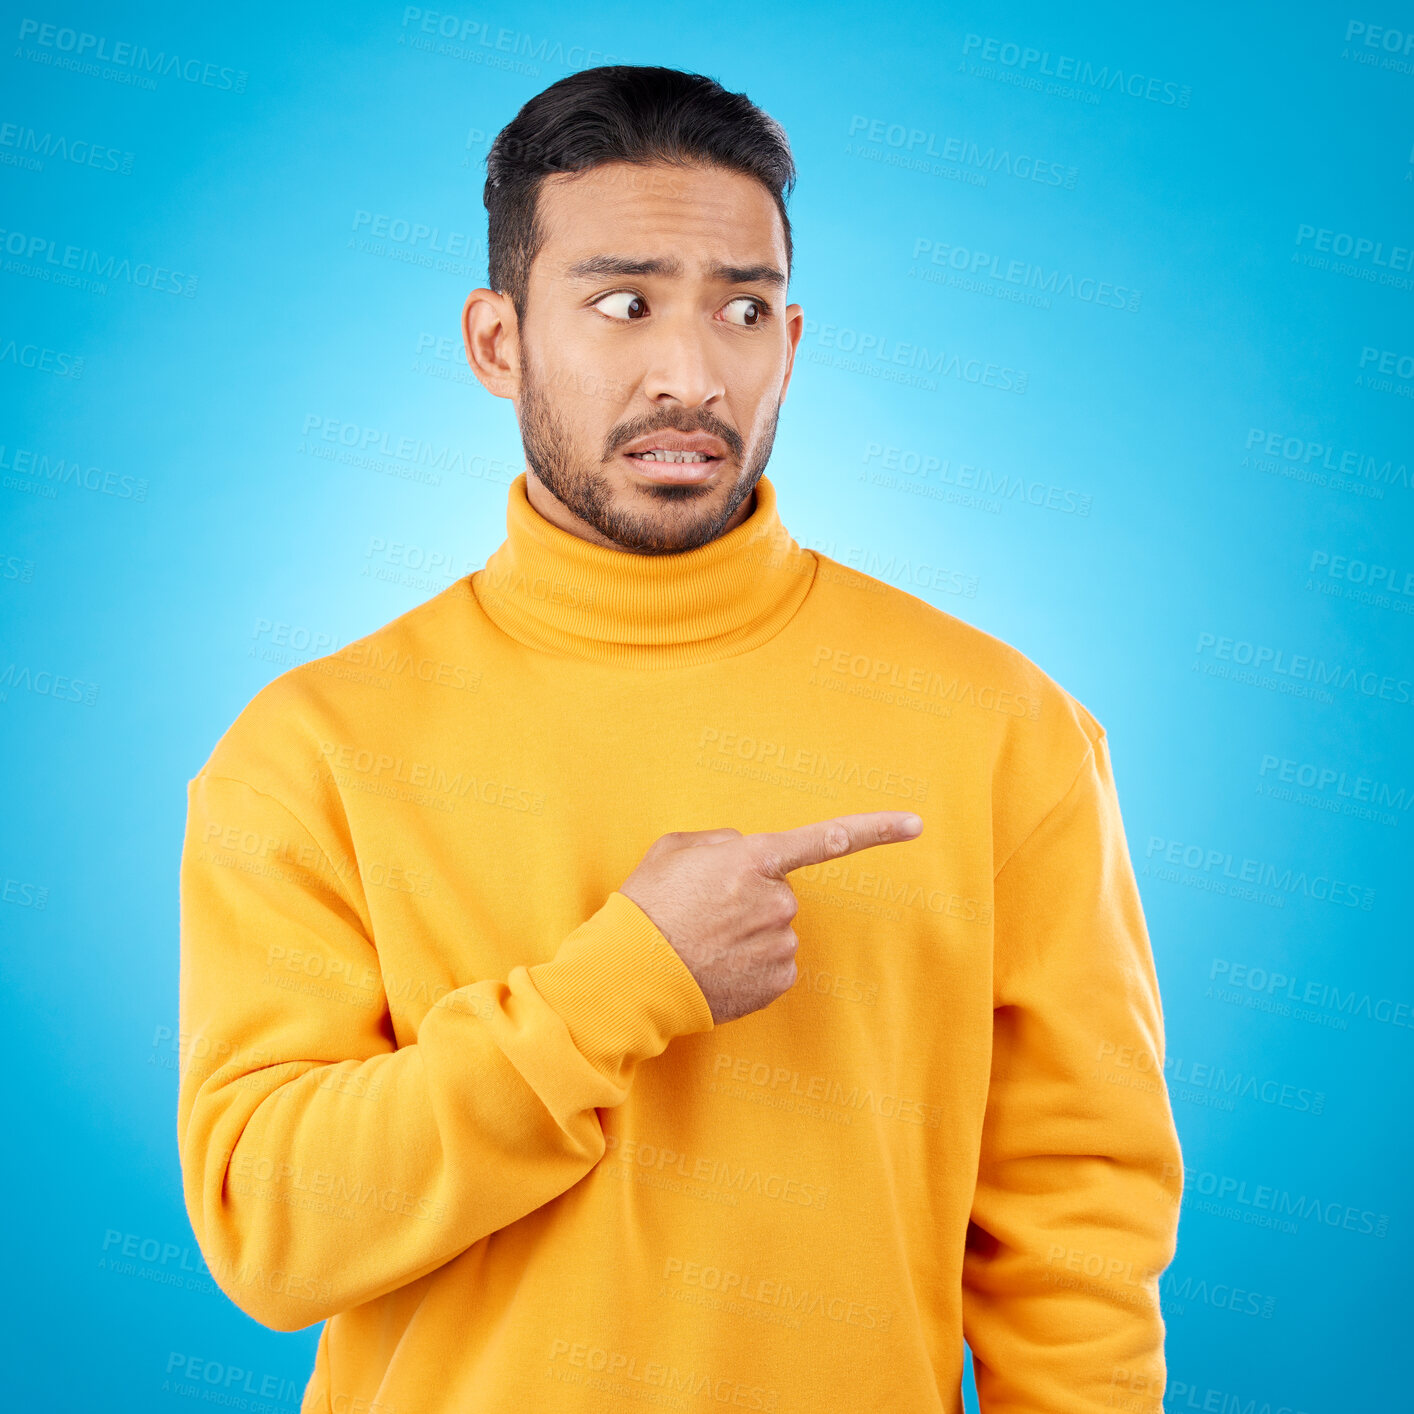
589, 491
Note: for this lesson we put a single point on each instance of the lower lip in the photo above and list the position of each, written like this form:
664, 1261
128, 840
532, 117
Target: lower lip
675, 473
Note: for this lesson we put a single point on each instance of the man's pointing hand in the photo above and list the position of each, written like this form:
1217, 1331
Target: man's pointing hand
722, 900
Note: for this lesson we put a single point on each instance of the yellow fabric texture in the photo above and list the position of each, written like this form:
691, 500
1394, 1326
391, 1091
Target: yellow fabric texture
448, 1090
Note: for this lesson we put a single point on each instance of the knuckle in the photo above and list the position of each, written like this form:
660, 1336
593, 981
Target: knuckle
765, 860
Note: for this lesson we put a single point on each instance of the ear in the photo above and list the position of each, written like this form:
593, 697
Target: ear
795, 327
491, 334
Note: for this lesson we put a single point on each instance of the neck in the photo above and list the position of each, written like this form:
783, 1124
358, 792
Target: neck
562, 593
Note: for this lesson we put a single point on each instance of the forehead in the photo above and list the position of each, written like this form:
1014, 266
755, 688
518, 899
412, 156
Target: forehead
699, 215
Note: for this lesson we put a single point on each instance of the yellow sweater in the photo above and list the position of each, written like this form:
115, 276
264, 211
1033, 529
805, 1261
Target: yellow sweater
448, 1090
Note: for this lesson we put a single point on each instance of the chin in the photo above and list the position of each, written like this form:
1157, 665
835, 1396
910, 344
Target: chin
688, 491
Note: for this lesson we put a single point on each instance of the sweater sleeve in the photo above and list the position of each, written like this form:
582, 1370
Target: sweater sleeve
322, 1164
1075, 1214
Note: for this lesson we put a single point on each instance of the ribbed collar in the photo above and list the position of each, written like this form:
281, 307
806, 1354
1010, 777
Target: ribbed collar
558, 593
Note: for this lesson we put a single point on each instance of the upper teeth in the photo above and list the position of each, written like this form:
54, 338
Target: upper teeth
658, 455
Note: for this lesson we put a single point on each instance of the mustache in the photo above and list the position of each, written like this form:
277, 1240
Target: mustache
677, 422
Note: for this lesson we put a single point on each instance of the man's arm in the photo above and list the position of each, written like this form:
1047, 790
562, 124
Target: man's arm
323, 1165
1075, 1215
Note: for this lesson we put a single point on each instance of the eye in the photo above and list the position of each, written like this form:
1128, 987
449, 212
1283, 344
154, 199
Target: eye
628, 315
757, 308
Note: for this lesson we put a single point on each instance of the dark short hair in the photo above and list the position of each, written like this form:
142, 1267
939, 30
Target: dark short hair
619, 113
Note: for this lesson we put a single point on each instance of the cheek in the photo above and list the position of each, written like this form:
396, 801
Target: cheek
584, 387
760, 377
594, 373
764, 399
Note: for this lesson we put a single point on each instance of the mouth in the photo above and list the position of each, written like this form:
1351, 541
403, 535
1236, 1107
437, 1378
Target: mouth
678, 468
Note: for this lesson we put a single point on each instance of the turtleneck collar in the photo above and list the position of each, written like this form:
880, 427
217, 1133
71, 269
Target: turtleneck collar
555, 592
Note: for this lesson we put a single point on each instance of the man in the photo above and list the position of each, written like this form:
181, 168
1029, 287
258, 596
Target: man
576, 1014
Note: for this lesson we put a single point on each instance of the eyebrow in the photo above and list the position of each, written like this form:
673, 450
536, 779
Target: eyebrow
596, 267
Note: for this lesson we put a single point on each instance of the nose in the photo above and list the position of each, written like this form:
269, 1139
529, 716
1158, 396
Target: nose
682, 367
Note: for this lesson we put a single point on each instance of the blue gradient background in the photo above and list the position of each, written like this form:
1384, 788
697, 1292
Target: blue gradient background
167, 605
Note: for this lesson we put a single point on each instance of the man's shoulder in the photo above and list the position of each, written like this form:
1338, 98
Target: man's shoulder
891, 635
283, 739
997, 707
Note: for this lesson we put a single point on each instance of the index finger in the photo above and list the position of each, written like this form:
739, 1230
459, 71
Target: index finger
779, 851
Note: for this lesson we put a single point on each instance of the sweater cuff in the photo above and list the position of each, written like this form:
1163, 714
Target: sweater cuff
621, 989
